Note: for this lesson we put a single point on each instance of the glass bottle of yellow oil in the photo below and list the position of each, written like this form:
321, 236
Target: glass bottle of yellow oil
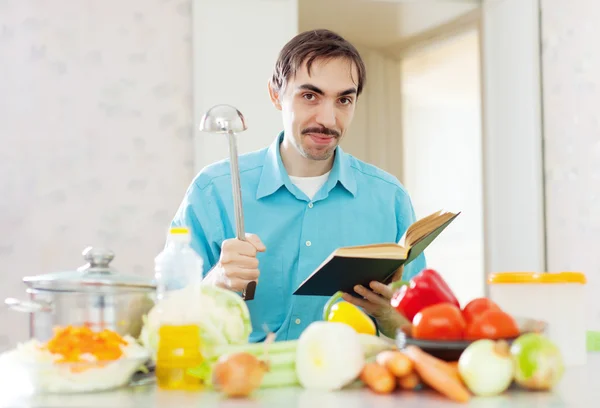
178, 269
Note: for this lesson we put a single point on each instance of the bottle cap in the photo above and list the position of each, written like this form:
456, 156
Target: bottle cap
180, 234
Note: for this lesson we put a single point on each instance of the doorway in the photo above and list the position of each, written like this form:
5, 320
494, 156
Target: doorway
442, 152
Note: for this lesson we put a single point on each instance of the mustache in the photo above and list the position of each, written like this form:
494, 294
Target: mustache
322, 130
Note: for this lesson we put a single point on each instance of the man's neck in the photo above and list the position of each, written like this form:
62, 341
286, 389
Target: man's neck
300, 166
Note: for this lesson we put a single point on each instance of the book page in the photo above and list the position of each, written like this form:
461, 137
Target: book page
413, 232
423, 227
391, 251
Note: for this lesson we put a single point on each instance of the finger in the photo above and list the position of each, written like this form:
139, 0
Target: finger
256, 242
237, 246
365, 305
370, 296
382, 289
246, 248
239, 260
241, 273
248, 262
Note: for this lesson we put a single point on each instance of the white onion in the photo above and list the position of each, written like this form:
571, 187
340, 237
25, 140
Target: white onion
486, 367
329, 356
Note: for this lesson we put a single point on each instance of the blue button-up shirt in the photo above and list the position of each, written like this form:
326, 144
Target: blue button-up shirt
359, 204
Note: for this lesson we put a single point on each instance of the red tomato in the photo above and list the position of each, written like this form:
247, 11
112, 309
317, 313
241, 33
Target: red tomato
476, 307
443, 321
492, 324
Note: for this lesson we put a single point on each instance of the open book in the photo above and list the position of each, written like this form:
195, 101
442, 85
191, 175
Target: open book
359, 265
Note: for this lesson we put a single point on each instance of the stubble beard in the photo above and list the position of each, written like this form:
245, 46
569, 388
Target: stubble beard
316, 154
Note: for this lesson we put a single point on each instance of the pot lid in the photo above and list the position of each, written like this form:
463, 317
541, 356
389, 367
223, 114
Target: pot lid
95, 276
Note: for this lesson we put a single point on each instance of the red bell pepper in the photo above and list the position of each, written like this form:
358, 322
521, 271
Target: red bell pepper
425, 289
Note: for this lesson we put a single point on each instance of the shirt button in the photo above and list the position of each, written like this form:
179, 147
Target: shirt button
297, 321
308, 243
310, 205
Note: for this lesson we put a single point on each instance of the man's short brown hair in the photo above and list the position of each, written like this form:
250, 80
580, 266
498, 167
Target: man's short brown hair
310, 46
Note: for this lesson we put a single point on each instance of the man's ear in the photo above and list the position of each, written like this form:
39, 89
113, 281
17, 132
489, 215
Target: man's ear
274, 96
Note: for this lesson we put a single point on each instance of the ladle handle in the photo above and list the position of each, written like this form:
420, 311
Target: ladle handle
237, 189
248, 293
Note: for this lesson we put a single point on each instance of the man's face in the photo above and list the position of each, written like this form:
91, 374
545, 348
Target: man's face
318, 108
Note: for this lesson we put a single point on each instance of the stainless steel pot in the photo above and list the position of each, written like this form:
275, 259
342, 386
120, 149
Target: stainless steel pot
94, 295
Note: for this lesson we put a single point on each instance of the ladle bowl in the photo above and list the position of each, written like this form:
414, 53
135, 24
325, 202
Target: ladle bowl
223, 119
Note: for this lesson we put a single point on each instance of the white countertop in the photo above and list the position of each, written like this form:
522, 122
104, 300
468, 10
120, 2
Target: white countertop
578, 388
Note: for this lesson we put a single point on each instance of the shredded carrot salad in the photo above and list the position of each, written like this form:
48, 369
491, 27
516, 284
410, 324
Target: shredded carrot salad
72, 343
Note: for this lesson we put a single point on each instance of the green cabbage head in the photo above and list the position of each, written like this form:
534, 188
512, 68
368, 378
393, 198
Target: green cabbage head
222, 317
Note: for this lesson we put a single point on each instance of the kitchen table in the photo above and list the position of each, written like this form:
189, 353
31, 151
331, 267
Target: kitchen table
578, 388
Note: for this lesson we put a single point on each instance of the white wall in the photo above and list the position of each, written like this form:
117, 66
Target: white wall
571, 81
95, 128
441, 109
256, 30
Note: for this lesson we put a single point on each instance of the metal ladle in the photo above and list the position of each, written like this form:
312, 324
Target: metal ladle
228, 120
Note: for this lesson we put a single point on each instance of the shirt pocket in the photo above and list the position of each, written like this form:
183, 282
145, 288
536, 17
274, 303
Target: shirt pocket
271, 303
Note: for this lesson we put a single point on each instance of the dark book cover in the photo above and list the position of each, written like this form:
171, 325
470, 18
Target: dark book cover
343, 273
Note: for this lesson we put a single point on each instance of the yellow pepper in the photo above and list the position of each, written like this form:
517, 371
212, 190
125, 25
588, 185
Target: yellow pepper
344, 312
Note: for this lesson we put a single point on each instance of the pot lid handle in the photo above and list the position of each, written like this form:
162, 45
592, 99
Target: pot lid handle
98, 260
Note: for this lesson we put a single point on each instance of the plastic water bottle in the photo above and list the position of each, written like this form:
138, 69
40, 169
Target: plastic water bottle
178, 265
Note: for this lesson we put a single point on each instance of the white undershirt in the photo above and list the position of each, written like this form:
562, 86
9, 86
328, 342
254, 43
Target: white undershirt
310, 185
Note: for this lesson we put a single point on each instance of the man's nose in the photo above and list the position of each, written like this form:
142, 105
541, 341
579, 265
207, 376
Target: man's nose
326, 115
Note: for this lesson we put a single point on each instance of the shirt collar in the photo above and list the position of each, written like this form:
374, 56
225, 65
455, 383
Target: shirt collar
274, 175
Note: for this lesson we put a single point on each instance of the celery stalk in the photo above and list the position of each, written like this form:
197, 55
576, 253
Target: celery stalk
203, 372
280, 378
280, 375
255, 348
275, 361
373, 345
281, 362
282, 359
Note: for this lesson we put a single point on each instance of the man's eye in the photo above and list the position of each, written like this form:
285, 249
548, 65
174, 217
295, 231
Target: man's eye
309, 97
345, 101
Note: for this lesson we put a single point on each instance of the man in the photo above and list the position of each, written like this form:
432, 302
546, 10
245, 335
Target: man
303, 196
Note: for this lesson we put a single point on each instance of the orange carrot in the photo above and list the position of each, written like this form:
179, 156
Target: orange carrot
72, 342
396, 362
454, 367
438, 374
409, 382
449, 368
378, 378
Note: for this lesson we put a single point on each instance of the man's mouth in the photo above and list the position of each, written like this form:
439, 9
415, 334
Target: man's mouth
320, 138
